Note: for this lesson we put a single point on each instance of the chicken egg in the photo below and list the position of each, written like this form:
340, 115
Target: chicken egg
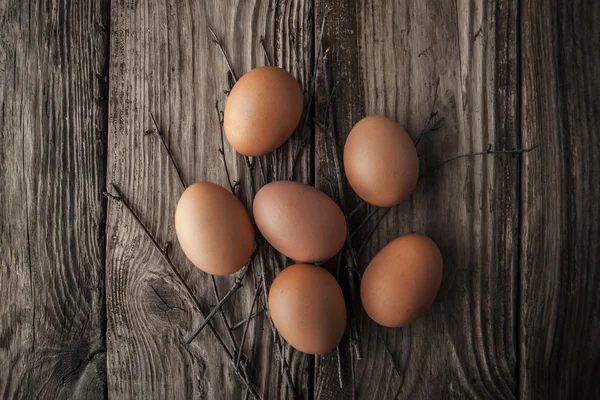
402, 280
213, 229
381, 161
300, 221
307, 307
262, 111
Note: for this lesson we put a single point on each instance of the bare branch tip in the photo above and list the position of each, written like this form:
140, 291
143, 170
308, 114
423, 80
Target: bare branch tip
116, 189
111, 196
214, 35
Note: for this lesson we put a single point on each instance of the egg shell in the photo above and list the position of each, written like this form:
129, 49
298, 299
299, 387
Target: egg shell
307, 307
262, 110
300, 221
213, 229
402, 280
381, 161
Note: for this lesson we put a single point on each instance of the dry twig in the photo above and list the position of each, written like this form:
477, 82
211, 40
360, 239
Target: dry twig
240, 324
308, 111
232, 184
350, 259
158, 132
239, 278
489, 151
217, 42
364, 221
279, 345
256, 293
118, 198
265, 52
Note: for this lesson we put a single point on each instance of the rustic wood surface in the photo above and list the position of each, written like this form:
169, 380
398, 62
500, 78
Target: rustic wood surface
89, 312
452, 66
163, 61
559, 327
52, 213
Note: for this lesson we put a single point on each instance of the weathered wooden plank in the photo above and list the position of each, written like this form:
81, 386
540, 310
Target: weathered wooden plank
52, 169
457, 60
560, 281
163, 61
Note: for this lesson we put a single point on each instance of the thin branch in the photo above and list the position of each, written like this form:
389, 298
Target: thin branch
158, 132
263, 172
286, 368
311, 95
232, 184
236, 286
277, 338
223, 316
217, 41
265, 52
482, 153
119, 198
390, 356
174, 164
333, 90
339, 365
304, 142
364, 221
250, 166
353, 373
349, 254
356, 209
243, 322
371, 232
279, 346
254, 300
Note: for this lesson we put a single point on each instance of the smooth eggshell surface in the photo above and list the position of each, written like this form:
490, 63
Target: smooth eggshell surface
381, 161
214, 229
262, 111
307, 307
299, 221
402, 280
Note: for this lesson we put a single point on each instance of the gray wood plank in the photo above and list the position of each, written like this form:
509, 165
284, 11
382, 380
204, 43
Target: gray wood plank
560, 256
163, 61
52, 168
458, 60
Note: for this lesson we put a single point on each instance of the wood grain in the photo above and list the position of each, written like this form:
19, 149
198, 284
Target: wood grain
518, 314
560, 281
164, 61
459, 61
52, 167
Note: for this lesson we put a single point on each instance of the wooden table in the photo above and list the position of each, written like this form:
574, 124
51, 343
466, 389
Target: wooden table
89, 308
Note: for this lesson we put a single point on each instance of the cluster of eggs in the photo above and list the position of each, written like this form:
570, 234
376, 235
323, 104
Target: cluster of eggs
306, 302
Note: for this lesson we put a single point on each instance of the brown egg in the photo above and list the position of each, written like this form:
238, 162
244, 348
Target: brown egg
307, 307
300, 221
263, 109
402, 280
214, 229
380, 161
